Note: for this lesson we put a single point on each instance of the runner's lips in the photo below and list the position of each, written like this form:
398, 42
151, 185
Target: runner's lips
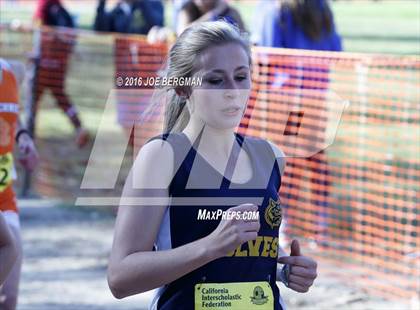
231, 109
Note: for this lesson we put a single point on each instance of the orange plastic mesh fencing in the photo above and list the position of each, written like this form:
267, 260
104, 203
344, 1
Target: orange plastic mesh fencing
357, 197
348, 124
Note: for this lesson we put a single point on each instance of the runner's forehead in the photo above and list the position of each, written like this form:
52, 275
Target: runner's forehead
226, 57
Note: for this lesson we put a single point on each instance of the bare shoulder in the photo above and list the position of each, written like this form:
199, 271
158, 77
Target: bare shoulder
154, 164
157, 147
277, 151
280, 156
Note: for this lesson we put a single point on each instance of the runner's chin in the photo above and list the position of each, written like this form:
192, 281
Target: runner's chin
229, 120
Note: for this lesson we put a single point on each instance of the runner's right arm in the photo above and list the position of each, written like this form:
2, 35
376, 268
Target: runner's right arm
134, 267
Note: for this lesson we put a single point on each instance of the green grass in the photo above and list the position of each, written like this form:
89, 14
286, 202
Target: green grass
384, 27
366, 26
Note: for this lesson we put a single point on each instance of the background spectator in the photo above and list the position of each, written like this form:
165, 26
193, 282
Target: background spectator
139, 17
129, 16
195, 11
52, 52
299, 24
303, 24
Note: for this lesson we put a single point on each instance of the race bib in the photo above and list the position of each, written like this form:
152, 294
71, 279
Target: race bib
6, 169
234, 296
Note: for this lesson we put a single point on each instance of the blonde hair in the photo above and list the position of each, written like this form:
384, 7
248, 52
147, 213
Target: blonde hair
183, 59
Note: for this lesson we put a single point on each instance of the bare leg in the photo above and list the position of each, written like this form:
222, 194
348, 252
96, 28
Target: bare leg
9, 290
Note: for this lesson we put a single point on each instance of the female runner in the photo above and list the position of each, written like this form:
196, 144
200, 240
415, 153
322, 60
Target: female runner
168, 234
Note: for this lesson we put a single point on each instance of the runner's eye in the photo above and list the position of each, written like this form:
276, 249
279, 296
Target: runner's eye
241, 78
214, 81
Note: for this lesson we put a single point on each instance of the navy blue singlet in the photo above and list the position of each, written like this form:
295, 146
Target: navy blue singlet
250, 262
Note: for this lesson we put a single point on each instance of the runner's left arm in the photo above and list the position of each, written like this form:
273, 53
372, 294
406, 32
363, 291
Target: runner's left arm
297, 272
27, 153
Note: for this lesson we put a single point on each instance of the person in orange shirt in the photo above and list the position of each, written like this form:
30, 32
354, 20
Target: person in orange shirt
11, 131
